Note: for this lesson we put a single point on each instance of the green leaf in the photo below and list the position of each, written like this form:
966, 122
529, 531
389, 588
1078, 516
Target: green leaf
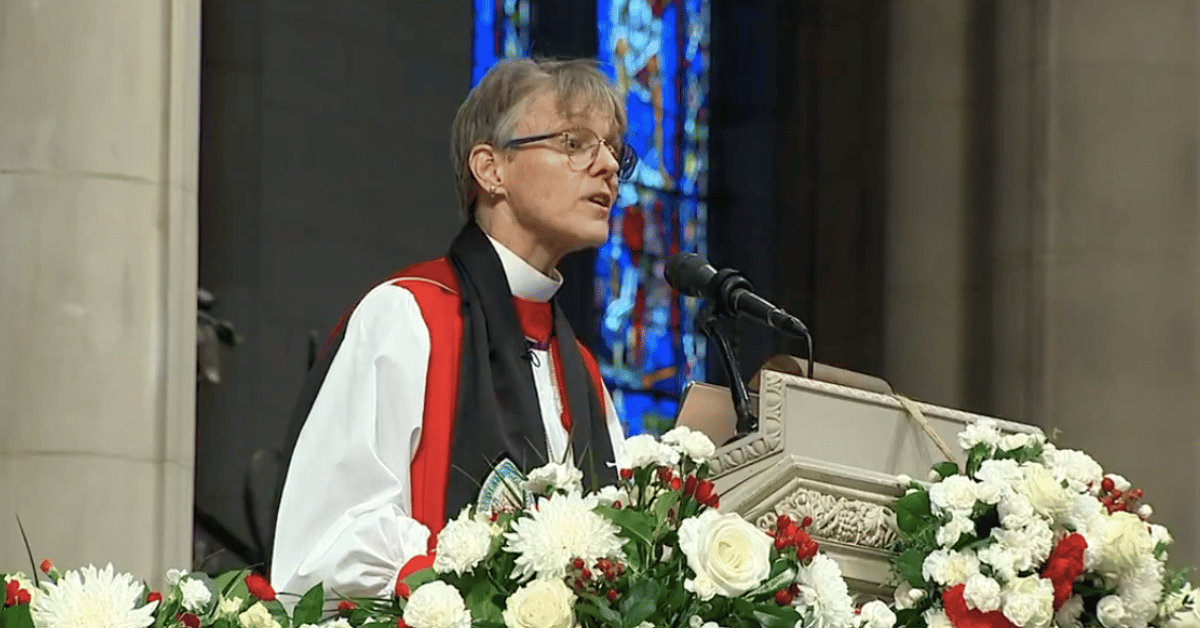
278, 613
638, 523
910, 618
775, 616
946, 469
912, 511
311, 605
226, 581
639, 603
484, 600
598, 607
418, 578
16, 617
908, 565
664, 503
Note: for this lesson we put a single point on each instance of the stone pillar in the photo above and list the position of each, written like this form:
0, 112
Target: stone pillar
98, 153
925, 283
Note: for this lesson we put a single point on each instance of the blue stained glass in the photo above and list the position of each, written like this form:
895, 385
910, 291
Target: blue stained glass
501, 32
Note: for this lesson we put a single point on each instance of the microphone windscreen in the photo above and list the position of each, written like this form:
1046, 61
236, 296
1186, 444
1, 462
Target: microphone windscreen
689, 273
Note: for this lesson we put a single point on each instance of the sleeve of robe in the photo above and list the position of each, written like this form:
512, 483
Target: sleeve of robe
344, 514
344, 518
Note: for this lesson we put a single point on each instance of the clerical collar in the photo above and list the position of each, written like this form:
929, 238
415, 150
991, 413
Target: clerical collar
525, 281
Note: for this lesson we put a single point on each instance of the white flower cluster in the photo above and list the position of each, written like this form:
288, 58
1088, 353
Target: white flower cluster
1038, 503
464, 543
559, 530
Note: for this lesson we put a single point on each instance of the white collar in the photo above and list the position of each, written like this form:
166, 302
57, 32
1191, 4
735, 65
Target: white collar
525, 281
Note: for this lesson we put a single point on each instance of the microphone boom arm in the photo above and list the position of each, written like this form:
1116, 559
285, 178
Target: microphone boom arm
746, 421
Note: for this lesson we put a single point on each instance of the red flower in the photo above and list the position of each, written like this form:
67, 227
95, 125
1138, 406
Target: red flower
665, 474
345, 606
676, 484
47, 565
806, 548
14, 595
689, 487
706, 493
963, 617
400, 623
23, 597
260, 587
403, 590
189, 620
153, 596
626, 474
1064, 566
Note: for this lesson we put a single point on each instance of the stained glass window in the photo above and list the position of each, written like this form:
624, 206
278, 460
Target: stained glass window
657, 53
501, 31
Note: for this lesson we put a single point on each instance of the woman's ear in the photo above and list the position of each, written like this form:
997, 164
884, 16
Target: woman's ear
487, 167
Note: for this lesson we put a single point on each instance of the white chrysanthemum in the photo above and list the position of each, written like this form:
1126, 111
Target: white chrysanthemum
691, 443
196, 595
950, 568
229, 605
955, 495
1140, 591
462, 544
644, 450
824, 594
982, 431
554, 476
562, 529
1078, 469
92, 597
436, 605
257, 616
949, 533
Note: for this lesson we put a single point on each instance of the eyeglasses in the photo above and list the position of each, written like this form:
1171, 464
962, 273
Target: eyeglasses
582, 146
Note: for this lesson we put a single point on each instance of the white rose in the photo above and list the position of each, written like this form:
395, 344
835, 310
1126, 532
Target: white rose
1029, 602
876, 614
436, 605
1068, 616
982, 431
229, 605
463, 543
195, 594
955, 495
936, 618
1045, 492
1125, 541
1110, 611
644, 450
727, 550
258, 616
544, 480
693, 444
541, 604
982, 593
950, 568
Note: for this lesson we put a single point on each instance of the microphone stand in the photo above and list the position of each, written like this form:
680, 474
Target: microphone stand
746, 421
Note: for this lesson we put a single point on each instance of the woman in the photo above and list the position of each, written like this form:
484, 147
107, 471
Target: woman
461, 363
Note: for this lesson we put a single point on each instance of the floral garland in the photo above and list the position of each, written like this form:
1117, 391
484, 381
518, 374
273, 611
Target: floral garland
1029, 535
653, 551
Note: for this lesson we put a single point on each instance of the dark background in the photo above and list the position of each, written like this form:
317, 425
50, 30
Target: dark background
325, 167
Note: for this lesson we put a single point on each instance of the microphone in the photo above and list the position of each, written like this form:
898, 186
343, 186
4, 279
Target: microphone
729, 291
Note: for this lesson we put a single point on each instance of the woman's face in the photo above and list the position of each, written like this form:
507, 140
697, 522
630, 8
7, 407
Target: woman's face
563, 205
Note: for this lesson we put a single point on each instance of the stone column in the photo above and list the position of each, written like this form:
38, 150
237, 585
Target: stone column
98, 153
925, 282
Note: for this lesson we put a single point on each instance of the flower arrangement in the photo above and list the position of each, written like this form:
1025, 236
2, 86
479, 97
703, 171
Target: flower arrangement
1028, 535
652, 551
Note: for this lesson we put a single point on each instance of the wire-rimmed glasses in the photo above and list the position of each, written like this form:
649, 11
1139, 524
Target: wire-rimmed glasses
581, 145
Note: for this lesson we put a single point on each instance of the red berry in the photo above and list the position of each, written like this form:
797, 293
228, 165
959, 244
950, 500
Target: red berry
794, 589
1136, 493
153, 596
1116, 494
783, 597
626, 474
783, 522
585, 574
577, 563
676, 484
620, 569
665, 474
345, 606
578, 584
612, 595
617, 504
781, 541
807, 522
1107, 484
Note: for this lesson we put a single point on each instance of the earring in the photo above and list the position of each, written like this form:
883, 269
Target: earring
493, 190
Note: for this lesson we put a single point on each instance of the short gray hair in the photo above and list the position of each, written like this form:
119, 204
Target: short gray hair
491, 111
